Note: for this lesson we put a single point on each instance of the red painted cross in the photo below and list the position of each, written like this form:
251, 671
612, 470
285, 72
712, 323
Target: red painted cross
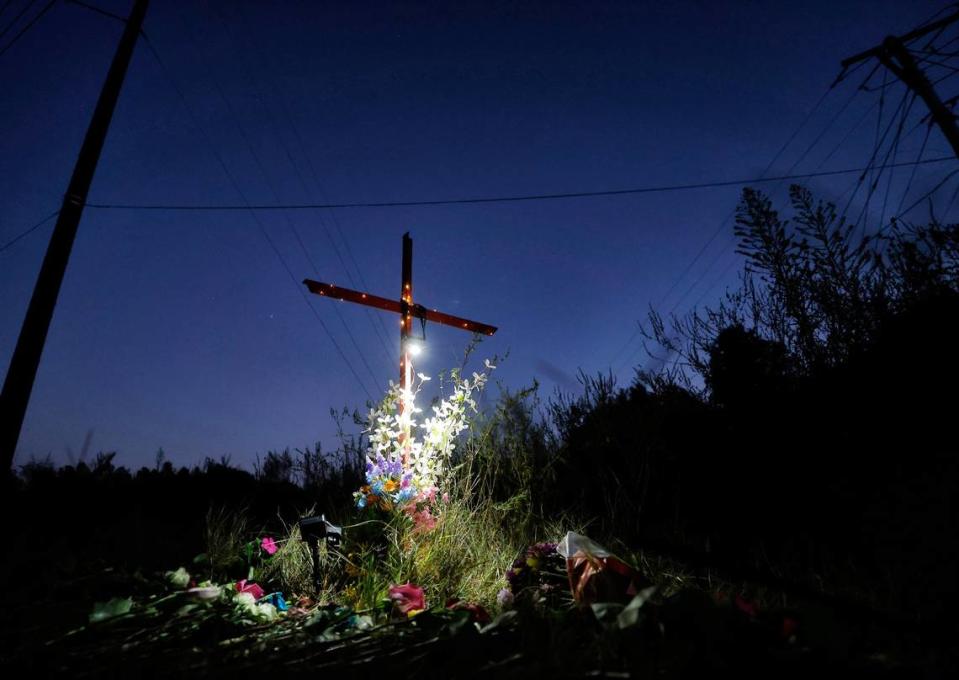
404, 307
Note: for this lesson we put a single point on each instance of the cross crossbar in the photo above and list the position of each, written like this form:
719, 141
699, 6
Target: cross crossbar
418, 311
407, 311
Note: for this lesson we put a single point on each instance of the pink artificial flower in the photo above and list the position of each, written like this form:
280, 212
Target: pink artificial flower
269, 545
407, 598
253, 589
423, 520
446, 497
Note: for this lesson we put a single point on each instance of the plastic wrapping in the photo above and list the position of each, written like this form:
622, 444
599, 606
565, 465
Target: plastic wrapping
595, 574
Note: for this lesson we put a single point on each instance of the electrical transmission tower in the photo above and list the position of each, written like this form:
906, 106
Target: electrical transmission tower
894, 54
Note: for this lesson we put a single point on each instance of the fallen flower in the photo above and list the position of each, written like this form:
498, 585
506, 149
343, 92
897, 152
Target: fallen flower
477, 613
407, 598
276, 599
269, 545
179, 578
107, 610
253, 589
248, 607
265, 611
204, 592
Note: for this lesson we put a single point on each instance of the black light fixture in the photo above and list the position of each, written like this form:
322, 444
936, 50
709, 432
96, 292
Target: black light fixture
312, 529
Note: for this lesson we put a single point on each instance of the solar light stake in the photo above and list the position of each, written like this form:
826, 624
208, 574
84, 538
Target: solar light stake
312, 529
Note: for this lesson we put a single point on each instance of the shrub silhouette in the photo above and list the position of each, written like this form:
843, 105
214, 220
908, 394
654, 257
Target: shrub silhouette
822, 431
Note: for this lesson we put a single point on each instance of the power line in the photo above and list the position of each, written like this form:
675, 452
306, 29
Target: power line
299, 140
500, 199
256, 219
879, 142
895, 155
928, 194
912, 175
98, 10
29, 230
722, 225
13, 22
272, 187
26, 28
848, 134
876, 149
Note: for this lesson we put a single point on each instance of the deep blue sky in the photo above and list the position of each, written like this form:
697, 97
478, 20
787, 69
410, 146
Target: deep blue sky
183, 330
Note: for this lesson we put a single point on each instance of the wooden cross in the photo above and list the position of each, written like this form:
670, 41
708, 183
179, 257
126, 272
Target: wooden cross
404, 307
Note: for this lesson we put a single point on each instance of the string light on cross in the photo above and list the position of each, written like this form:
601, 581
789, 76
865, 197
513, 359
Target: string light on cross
405, 308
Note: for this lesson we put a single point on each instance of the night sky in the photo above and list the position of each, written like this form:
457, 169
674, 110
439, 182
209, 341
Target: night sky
183, 330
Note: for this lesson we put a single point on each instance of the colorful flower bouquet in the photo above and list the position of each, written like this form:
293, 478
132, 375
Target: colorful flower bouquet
408, 459
387, 487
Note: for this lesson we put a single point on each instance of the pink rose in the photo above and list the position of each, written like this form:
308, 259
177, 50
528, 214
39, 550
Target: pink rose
253, 589
269, 545
407, 598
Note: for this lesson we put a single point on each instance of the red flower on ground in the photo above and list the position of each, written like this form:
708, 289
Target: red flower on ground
477, 612
407, 598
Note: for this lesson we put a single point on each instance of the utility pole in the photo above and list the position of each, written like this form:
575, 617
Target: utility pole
33, 334
895, 56
407, 311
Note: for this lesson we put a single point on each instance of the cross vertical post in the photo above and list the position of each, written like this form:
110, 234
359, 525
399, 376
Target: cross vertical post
406, 332
407, 311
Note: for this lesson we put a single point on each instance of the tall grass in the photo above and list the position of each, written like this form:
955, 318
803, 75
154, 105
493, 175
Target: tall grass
489, 516
465, 556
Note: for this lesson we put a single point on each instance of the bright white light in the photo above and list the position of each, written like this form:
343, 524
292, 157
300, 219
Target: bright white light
414, 348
